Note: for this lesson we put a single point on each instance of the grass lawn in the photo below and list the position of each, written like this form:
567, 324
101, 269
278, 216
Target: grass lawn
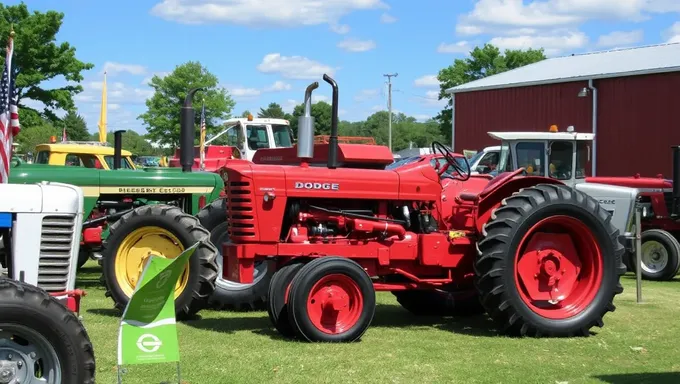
638, 344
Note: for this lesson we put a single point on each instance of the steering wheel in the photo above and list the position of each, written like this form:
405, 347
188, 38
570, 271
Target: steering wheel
463, 175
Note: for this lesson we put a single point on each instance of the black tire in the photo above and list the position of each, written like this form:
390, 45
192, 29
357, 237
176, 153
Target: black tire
276, 298
301, 287
229, 294
83, 257
495, 266
25, 306
187, 229
440, 302
671, 247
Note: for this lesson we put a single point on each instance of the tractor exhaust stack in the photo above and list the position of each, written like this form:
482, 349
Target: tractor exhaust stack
676, 181
186, 131
333, 140
117, 148
305, 144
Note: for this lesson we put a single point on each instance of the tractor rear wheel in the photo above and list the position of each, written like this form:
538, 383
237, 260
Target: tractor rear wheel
660, 255
165, 231
229, 294
440, 302
549, 263
331, 299
41, 341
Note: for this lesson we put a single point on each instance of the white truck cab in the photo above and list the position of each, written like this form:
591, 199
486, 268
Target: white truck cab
250, 134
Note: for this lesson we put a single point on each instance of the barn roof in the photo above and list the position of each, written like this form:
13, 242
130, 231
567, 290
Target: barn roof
595, 65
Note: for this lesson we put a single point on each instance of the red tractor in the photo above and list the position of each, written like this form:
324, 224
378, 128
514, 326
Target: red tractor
539, 257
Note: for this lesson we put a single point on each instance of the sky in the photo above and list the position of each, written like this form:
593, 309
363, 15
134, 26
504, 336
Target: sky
266, 51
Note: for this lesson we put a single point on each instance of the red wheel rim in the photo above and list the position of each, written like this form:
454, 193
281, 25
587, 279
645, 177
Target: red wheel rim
558, 267
334, 304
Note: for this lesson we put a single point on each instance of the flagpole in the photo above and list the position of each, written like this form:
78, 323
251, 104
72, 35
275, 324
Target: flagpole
202, 138
103, 114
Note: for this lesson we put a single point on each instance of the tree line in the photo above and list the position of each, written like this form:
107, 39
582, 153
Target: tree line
39, 58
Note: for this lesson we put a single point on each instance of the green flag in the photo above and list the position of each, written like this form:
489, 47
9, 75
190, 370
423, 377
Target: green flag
148, 333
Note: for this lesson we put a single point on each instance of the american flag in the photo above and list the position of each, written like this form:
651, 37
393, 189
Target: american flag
9, 112
202, 139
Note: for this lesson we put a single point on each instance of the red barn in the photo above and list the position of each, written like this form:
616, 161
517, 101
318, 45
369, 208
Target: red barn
630, 99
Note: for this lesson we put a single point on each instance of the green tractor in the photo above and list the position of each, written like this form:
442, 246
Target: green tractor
131, 214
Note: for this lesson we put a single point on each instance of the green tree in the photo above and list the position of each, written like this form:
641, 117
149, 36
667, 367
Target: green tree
38, 58
322, 118
38, 134
273, 111
162, 118
245, 114
485, 61
76, 128
132, 141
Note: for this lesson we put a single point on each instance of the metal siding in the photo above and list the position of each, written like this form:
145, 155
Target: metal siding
638, 121
519, 109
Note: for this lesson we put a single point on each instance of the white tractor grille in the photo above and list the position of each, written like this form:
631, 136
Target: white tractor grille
56, 242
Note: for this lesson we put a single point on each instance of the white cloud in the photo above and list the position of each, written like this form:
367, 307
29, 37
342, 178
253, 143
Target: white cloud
427, 81
289, 105
353, 45
293, 67
672, 34
422, 117
432, 99
377, 108
497, 16
259, 13
147, 79
278, 86
340, 28
243, 93
117, 93
459, 47
620, 38
366, 94
316, 98
553, 45
113, 107
387, 18
112, 68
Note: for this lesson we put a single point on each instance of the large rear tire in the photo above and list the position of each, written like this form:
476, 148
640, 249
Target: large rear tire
229, 294
165, 231
549, 263
46, 341
660, 255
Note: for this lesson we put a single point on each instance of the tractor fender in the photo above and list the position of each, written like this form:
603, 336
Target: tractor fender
491, 197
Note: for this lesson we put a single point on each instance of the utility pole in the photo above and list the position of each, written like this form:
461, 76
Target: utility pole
389, 104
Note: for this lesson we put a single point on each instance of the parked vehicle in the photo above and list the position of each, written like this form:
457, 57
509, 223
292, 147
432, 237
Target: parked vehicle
540, 257
41, 338
86, 154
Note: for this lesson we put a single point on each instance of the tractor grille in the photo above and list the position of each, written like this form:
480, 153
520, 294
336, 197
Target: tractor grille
241, 211
56, 241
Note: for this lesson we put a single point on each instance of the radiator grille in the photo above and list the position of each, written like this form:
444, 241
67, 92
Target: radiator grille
241, 213
56, 240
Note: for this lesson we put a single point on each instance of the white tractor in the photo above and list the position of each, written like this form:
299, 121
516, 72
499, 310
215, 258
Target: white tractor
42, 340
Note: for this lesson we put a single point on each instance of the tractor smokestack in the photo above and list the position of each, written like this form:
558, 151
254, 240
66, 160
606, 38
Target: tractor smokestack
305, 144
186, 132
333, 140
117, 148
676, 181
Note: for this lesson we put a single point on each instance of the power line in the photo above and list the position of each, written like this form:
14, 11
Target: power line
389, 104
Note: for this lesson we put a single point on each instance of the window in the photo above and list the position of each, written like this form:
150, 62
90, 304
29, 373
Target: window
488, 163
43, 157
582, 159
235, 137
561, 157
123, 162
283, 135
257, 137
505, 159
531, 156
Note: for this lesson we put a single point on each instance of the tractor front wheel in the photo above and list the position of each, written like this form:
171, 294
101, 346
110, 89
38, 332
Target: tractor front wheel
229, 294
660, 255
41, 341
549, 263
277, 298
331, 299
165, 231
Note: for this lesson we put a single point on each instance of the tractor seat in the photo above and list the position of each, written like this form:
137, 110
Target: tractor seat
492, 186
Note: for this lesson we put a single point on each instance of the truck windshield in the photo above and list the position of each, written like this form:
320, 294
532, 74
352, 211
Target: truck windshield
283, 135
256, 136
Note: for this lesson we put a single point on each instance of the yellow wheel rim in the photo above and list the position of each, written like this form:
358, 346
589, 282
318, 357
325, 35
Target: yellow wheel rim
136, 248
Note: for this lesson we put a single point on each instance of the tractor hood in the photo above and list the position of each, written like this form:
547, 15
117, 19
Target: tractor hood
641, 183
